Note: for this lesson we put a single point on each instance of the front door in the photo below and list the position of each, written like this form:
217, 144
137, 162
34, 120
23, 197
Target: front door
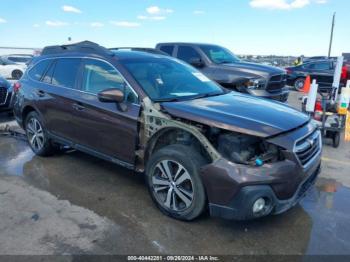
103, 127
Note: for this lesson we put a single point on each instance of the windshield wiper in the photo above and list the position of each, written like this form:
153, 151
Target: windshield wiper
205, 95
171, 99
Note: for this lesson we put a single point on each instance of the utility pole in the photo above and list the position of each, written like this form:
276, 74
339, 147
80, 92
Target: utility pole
331, 40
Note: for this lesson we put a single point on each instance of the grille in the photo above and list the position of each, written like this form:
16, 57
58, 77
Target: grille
3, 95
307, 148
276, 82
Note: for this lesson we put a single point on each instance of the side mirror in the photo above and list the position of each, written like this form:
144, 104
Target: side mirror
196, 62
112, 95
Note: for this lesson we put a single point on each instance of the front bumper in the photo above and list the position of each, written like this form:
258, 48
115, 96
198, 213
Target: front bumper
240, 207
279, 95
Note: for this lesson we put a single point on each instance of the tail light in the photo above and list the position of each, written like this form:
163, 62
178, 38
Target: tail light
318, 111
16, 87
318, 106
344, 73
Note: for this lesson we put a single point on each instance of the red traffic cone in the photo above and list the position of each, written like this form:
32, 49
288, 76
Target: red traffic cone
307, 85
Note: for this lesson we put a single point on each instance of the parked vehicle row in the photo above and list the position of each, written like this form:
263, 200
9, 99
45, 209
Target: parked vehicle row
10, 69
200, 145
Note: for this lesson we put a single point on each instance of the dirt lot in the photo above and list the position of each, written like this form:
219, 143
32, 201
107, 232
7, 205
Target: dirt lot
76, 204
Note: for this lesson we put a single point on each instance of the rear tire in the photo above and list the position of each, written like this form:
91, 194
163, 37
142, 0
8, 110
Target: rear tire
336, 139
37, 135
16, 74
174, 182
299, 84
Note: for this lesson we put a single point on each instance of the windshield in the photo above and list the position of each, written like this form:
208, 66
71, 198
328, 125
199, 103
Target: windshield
170, 80
219, 55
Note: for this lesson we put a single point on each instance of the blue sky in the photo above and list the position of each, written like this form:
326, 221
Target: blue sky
282, 27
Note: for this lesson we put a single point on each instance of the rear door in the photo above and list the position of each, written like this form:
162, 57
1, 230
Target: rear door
103, 127
322, 72
60, 96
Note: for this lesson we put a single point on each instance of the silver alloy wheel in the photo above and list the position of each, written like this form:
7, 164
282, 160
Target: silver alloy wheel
35, 134
299, 84
172, 185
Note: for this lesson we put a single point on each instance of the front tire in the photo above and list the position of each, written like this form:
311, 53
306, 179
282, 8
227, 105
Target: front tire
37, 135
174, 182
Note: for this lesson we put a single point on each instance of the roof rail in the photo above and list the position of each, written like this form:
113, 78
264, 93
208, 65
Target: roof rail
84, 46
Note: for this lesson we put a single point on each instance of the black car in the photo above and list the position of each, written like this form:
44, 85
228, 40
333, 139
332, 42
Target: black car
199, 145
322, 71
222, 66
6, 97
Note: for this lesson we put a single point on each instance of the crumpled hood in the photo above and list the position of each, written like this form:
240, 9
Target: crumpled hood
240, 113
255, 69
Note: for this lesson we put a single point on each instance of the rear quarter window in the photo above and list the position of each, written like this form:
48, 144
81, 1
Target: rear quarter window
39, 69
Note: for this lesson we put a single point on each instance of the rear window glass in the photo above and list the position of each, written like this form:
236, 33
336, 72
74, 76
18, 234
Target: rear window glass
39, 69
167, 49
66, 71
19, 59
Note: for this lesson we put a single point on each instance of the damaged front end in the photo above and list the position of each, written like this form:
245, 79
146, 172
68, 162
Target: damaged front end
244, 172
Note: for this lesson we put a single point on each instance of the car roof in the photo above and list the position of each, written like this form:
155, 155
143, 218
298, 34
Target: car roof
87, 48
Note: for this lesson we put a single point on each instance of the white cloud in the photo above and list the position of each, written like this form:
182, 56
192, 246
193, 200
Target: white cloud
96, 24
321, 1
125, 23
279, 4
2, 21
71, 9
36, 25
156, 10
56, 23
155, 18
198, 12
284, 4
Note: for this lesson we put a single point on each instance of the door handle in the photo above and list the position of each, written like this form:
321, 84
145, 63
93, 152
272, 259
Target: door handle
40, 93
78, 106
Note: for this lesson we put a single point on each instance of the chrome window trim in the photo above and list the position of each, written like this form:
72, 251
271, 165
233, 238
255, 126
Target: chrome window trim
81, 91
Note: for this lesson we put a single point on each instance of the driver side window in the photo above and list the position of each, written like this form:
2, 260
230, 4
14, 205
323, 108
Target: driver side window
99, 76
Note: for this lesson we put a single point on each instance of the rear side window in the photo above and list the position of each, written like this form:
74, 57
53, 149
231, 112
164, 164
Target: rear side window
167, 49
187, 53
66, 71
39, 69
320, 66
